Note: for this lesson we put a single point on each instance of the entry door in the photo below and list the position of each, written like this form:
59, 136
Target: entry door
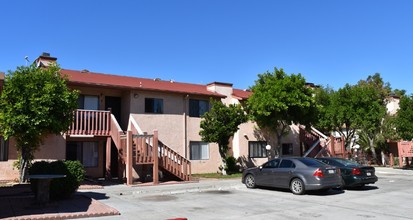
115, 104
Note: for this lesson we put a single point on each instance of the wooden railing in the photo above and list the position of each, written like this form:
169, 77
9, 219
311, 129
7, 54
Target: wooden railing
117, 134
329, 146
312, 139
146, 146
174, 163
90, 122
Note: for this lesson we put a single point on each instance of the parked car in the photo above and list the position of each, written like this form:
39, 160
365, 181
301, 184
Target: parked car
298, 174
352, 173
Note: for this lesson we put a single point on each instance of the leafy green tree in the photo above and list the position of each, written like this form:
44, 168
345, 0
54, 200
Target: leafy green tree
220, 124
34, 102
370, 114
399, 92
342, 113
280, 100
323, 97
404, 118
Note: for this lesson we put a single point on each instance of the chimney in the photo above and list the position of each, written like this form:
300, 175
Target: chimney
45, 60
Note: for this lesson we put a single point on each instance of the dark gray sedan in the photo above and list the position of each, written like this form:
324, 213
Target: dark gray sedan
298, 174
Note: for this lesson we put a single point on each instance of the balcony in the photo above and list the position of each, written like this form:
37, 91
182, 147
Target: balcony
90, 123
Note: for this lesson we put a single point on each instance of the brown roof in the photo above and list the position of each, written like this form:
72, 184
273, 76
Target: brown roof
127, 82
241, 94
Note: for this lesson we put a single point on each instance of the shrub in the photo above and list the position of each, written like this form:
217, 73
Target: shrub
60, 188
232, 166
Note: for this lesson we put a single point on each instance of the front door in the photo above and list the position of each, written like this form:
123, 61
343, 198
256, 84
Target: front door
114, 103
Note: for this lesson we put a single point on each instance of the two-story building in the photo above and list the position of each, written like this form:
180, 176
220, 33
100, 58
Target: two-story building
110, 105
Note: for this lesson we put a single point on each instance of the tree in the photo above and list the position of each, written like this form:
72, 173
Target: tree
370, 114
372, 94
220, 124
34, 102
323, 97
404, 118
341, 113
278, 101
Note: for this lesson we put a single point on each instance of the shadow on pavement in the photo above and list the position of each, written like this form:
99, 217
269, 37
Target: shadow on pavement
18, 202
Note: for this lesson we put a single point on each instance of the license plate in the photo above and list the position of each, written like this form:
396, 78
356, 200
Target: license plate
331, 171
368, 174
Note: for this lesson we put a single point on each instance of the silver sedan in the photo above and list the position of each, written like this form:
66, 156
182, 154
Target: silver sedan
298, 174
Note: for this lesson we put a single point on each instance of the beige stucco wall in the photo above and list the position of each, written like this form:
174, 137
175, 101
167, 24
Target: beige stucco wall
53, 148
392, 105
247, 132
175, 128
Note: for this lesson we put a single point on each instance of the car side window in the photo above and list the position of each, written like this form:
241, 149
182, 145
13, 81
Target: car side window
272, 164
287, 164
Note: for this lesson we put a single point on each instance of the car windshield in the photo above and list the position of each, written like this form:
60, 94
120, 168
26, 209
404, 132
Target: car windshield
347, 162
311, 162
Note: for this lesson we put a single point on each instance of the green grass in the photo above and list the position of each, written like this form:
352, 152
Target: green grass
217, 175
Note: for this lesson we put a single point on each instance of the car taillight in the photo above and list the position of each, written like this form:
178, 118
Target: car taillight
318, 173
356, 171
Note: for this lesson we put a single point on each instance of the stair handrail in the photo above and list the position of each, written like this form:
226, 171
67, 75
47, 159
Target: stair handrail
315, 144
133, 124
116, 131
167, 155
320, 136
319, 133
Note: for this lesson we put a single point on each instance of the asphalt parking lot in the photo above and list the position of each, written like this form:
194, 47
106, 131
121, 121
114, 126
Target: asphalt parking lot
390, 198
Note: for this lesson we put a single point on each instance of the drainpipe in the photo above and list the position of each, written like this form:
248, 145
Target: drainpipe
185, 107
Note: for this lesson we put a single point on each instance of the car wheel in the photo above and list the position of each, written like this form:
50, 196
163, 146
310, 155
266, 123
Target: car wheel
297, 186
250, 181
342, 185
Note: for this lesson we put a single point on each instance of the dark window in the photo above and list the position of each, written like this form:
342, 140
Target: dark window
287, 149
198, 107
271, 164
310, 162
88, 102
153, 105
287, 164
199, 150
257, 149
85, 152
4, 149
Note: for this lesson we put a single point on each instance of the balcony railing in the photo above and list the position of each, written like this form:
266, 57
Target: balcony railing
90, 122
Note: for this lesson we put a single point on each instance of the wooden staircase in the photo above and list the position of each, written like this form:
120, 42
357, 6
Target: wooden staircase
146, 149
134, 147
321, 145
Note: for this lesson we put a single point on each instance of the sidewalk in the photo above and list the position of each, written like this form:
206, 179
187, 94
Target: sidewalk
393, 171
93, 201
18, 202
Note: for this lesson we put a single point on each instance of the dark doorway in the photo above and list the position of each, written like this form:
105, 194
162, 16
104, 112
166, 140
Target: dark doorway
114, 103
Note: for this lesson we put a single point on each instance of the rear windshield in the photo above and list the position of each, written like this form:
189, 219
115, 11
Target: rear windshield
311, 162
347, 162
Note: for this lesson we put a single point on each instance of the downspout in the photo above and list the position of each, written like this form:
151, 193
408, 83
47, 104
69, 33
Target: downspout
185, 107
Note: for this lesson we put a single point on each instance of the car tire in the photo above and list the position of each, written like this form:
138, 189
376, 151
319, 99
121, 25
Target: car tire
297, 186
250, 181
342, 185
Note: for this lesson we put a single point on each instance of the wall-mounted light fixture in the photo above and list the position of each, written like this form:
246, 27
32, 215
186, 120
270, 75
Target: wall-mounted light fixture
136, 95
246, 136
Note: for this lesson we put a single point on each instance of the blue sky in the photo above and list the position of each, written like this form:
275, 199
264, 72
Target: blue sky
198, 41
